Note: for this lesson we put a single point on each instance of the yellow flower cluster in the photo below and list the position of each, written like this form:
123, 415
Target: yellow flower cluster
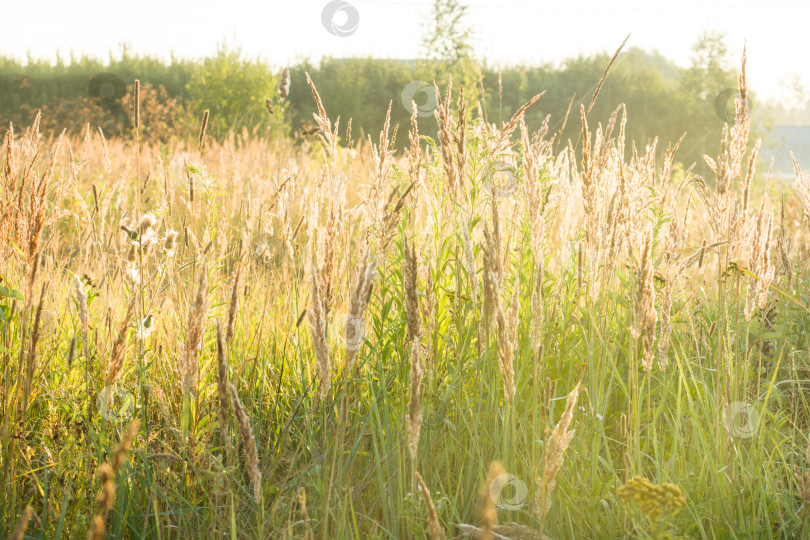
651, 498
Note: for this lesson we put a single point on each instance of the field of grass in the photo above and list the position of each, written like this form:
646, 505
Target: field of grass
497, 334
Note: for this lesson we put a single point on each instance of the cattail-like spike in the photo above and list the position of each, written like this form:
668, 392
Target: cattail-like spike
248, 444
284, 84
71, 351
203, 129
233, 303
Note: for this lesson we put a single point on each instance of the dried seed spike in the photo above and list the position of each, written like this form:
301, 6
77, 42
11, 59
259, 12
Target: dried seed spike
487, 510
203, 129
413, 420
558, 443
411, 293
284, 84
233, 303
223, 412
248, 443
607, 70
22, 524
434, 527
356, 320
194, 333
513, 123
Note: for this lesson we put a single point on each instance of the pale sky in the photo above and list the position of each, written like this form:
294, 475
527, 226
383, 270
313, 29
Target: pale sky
512, 31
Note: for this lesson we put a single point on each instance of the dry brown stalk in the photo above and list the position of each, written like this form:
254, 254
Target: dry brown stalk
248, 444
36, 216
31, 359
233, 303
196, 327
513, 122
223, 411
203, 129
137, 104
434, 527
106, 474
84, 319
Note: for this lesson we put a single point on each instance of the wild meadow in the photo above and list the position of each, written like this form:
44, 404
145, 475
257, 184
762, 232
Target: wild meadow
496, 333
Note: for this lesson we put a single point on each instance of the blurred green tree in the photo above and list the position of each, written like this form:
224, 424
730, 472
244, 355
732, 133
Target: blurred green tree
234, 89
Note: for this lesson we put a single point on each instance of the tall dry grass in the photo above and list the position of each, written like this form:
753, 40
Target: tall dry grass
588, 315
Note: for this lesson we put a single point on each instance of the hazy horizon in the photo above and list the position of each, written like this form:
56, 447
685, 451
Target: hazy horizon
512, 33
